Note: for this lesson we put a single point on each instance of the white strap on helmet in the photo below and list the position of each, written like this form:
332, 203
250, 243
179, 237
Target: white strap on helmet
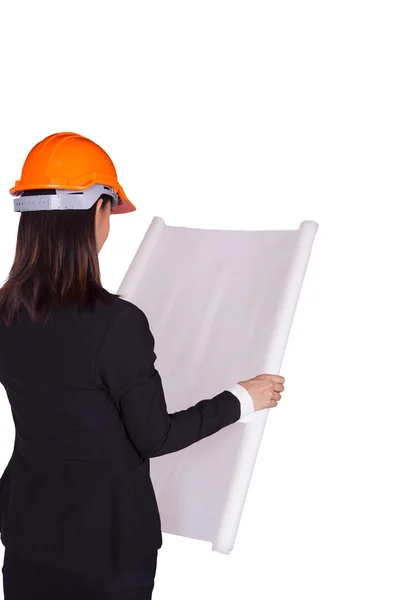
65, 199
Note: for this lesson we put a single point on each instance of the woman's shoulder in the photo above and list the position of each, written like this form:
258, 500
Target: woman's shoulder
126, 328
128, 306
122, 308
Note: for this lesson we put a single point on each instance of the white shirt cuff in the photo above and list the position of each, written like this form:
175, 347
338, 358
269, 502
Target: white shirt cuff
246, 402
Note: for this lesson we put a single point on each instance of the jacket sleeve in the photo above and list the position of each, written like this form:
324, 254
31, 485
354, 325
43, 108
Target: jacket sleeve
125, 364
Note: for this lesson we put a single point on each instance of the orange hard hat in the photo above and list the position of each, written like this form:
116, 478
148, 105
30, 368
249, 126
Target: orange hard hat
70, 161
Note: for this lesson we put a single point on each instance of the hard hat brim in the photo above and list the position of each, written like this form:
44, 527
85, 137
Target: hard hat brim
126, 205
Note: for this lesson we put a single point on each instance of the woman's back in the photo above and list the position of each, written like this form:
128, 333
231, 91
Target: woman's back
76, 492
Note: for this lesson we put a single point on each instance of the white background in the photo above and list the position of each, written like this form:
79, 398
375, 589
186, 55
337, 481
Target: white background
251, 115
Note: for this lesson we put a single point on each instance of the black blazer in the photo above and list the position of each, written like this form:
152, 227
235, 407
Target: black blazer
89, 412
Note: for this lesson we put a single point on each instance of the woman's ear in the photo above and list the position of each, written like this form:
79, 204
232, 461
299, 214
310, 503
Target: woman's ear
98, 205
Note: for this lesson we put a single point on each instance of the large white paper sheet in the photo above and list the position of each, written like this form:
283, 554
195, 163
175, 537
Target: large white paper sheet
220, 305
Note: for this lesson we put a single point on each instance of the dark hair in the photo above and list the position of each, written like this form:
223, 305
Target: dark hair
56, 262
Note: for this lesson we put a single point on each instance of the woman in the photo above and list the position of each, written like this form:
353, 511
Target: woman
79, 518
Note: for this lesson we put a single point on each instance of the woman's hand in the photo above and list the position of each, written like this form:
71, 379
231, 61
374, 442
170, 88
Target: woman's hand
265, 390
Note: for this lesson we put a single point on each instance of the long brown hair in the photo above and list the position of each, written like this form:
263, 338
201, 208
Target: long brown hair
56, 262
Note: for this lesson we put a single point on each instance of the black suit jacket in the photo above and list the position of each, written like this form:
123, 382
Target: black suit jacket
89, 412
